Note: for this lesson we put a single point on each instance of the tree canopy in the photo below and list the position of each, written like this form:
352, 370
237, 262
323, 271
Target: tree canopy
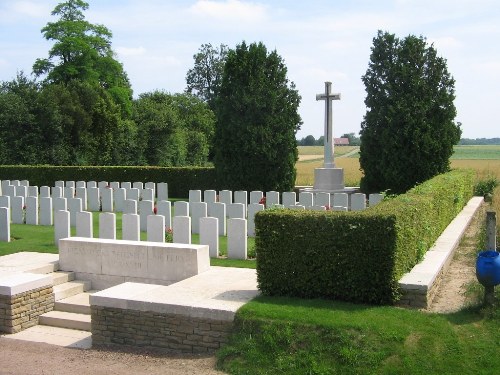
257, 119
408, 131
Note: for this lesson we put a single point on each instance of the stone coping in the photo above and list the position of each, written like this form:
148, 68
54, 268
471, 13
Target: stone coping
215, 294
23, 282
424, 274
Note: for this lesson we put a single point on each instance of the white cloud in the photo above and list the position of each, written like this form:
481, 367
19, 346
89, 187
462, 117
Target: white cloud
31, 9
230, 10
130, 51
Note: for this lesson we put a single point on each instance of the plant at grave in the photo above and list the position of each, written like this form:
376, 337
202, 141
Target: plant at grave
262, 201
155, 210
24, 214
169, 235
485, 187
328, 207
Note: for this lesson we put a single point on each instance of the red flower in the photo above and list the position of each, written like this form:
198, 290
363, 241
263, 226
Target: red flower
328, 208
262, 201
155, 210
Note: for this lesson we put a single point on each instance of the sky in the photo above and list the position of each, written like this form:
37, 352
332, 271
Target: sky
318, 40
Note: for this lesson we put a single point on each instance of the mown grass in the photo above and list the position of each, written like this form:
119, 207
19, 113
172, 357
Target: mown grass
40, 239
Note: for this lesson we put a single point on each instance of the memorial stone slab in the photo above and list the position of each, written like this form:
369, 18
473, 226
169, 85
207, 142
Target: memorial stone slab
91, 184
81, 184
145, 209
126, 185
164, 208
198, 210
107, 225
93, 199
74, 206
21, 191
256, 197
59, 204
272, 198
17, 209
226, 196
252, 210
107, 200
61, 225
306, 199
133, 194
119, 195
210, 196
358, 202
130, 206
241, 196
131, 227
194, 196
289, 198
182, 229
4, 224
322, 199
32, 191
69, 192
218, 211
156, 228
209, 235
32, 210
181, 208
44, 192
81, 192
235, 211
237, 239
57, 192
162, 191
46, 213
374, 199
84, 224
341, 200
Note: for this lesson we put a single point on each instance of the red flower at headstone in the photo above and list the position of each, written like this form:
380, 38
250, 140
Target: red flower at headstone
262, 201
328, 208
155, 210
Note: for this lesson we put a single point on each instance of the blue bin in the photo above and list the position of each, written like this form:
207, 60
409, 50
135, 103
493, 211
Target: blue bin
488, 268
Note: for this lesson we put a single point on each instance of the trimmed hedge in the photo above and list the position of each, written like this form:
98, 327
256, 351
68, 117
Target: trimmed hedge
355, 256
180, 180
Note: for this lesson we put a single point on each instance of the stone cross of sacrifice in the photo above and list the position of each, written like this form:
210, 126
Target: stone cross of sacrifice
328, 97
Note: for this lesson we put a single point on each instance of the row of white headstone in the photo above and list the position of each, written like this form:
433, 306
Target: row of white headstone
209, 230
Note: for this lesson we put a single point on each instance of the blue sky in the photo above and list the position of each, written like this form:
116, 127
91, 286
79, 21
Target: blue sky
319, 41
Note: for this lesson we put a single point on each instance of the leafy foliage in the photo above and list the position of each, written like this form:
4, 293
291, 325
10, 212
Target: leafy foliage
257, 119
408, 132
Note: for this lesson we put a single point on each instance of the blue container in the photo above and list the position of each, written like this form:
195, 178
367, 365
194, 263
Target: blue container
488, 268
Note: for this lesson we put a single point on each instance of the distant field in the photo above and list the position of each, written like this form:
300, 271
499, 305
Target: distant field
318, 150
477, 152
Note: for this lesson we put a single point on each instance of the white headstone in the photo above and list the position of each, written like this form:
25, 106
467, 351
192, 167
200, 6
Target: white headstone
57, 192
237, 239
145, 209
198, 210
9, 190
32, 191
138, 185
114, 185
133, 194
318, 208
289, 198
24, 183
297, 207
44, 191
59, 184
152, 186
119, 196
162, 188
252, 210
306, 199
32, 210
81, 192
70, 184
107, 225
81, 184
4, 224
339, 208
256, 197
241, 196
17, 209
61, 226
358, 202
130, 207
131, 227
74, 206
148, 194
107, 200
272, 198
341, 200
210, 196
46, 213
102, 184
181, 208
84, 224
126, 185
218, 210
182, 229
164, 208
194, 196
156, 228
5, 201
69, 192
235, 211
226, 196
59, 204
15, 182
322, 199
375, 199
209, 235
21, 191
91, 184
93, 199
4, 183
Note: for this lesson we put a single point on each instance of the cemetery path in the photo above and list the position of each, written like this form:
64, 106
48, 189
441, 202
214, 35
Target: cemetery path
452, 293
22, 357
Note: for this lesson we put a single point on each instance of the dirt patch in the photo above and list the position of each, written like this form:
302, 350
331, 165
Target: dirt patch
451, 295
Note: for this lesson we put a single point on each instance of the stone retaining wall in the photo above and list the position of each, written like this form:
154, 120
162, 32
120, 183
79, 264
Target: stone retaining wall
180, 333
21, 311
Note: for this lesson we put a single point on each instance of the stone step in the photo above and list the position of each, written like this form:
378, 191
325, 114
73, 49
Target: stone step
69, 338
70, 289
65, 319
78, 303
61, 277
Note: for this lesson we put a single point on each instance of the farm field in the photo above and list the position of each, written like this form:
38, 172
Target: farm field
485, 160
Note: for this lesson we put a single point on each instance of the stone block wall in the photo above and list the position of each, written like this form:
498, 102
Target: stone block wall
113, 326
21, 311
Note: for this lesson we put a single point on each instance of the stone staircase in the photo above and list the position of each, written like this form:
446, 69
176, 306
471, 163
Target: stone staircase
72, 308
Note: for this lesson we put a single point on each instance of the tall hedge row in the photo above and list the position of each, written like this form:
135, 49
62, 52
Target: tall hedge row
180, 180
355, 256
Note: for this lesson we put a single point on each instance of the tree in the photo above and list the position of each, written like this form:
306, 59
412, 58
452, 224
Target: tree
204, 79
82, 51
408, 132
257, 119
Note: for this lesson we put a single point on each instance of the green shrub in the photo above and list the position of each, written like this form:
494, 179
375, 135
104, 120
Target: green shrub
355, 256
485, 187
180, 180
